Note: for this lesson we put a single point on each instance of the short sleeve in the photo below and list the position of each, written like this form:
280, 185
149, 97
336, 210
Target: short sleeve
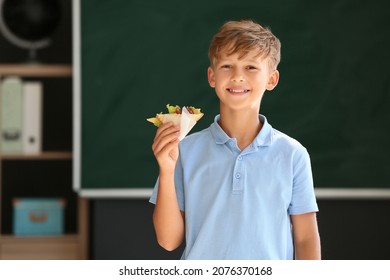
303, 198
178, 185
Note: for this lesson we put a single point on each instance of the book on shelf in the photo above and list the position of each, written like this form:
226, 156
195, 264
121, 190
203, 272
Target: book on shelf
32, 117
11, 114
21, 115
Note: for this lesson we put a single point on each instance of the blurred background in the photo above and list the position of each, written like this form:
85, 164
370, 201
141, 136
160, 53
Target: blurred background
136, 56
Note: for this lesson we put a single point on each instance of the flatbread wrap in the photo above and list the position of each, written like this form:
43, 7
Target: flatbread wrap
174, 115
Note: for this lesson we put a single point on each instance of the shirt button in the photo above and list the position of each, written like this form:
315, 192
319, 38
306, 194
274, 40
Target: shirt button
240, 158
238, 175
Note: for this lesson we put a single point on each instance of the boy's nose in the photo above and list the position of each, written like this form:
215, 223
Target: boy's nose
238, 77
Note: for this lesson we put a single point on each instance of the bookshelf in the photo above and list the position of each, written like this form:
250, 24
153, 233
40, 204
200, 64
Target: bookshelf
73, 244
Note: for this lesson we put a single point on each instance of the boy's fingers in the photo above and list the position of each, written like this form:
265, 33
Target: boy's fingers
163, 140
166, 129
161, 129
169, 146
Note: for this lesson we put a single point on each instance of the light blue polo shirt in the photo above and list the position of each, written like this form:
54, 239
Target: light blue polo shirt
237, 203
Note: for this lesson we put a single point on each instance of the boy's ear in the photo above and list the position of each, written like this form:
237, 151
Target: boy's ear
273, 80
210, 77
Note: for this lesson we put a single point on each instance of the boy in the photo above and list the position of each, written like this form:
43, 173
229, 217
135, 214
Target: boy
238, 189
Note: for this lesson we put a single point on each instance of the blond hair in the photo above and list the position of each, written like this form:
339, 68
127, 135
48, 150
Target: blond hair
244, 36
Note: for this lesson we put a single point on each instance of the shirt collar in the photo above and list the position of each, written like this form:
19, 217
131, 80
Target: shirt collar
264, 138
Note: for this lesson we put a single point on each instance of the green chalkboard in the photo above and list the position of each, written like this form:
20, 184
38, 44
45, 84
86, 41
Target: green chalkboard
333, 95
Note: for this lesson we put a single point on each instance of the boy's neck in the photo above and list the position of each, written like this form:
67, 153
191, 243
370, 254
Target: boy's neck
243, 126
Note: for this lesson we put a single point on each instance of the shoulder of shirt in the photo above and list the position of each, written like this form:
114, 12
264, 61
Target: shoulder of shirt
286, 140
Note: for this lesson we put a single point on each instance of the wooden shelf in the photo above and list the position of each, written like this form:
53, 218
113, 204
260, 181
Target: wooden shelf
40, 247
36, 70
56, 155
6, 238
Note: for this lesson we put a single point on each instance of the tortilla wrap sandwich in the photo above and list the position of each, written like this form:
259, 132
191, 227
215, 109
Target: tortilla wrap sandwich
174, 115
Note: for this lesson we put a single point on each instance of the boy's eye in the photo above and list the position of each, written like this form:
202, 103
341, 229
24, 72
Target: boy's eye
226, 66
250, 67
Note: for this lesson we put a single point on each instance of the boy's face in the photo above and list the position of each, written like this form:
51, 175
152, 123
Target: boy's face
241, 82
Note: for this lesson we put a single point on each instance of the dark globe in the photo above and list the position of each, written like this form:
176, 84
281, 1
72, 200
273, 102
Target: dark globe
31, 20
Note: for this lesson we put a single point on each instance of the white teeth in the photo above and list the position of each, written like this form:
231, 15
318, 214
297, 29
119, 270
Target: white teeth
238, 90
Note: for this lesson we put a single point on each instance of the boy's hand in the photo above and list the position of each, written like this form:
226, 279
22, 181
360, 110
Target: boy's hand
165, 146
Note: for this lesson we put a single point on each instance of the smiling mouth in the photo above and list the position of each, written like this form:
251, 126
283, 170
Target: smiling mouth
237, 91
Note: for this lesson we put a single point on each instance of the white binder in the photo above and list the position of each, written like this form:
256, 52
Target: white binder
11, 115
32, 117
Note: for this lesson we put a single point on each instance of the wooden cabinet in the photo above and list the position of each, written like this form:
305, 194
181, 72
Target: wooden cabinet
48, 173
